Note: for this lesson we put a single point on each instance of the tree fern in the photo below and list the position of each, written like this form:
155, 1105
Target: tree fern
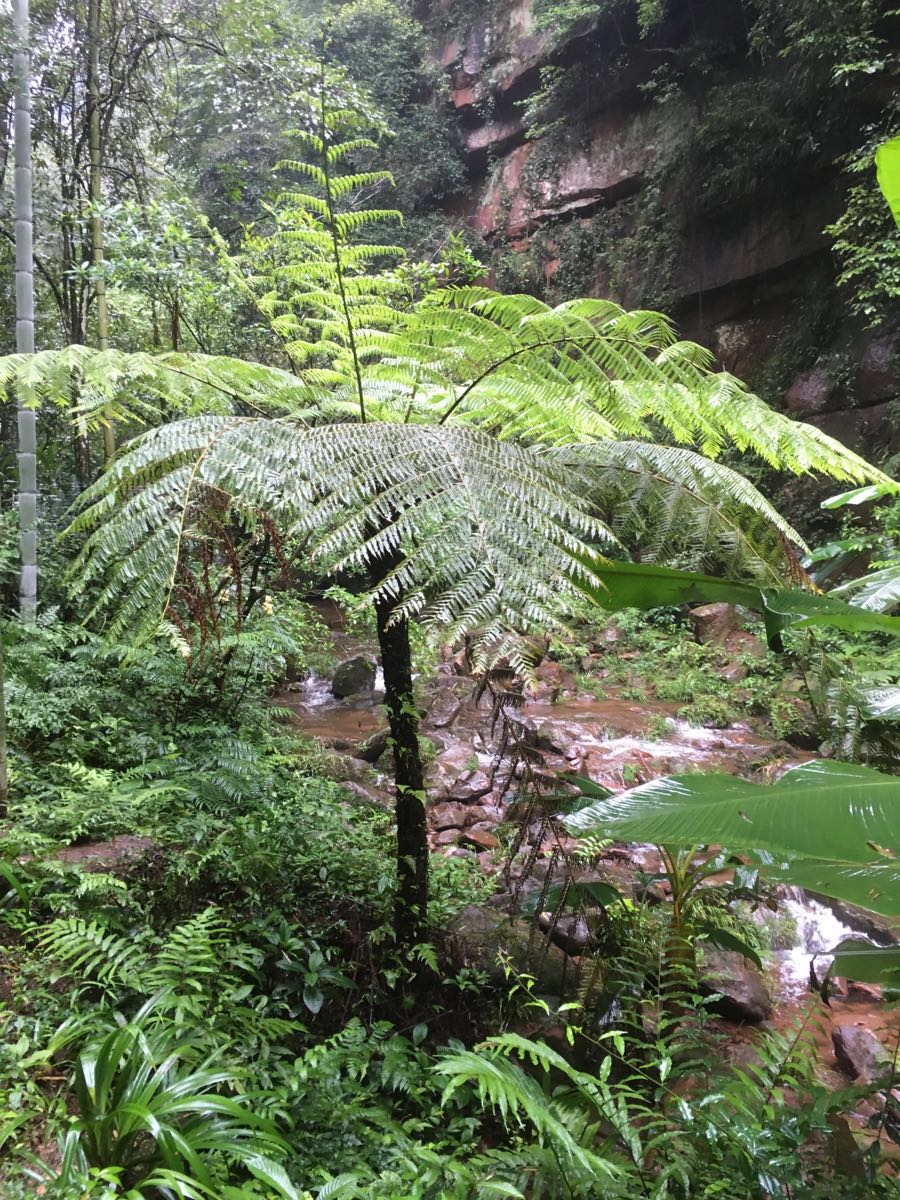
484, 472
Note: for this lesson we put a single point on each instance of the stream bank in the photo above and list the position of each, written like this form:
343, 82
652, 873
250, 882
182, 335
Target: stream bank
617, 741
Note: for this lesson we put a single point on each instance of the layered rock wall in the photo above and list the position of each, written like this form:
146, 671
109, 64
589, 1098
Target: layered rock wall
634, 191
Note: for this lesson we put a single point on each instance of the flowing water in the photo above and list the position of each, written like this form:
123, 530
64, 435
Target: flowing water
618, 742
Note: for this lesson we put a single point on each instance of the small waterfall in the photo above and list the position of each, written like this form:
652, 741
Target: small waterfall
818, 931
313, 691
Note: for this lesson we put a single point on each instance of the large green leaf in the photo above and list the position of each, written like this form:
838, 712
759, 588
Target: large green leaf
857, 959
830, 827
617, 585
887, 160
874, 885
877, 592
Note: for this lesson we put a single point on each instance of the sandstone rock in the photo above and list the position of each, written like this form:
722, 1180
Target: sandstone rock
812, 393
864, 993
878, 378
352, 676
369, 794
460, 773
743, 993
444, 708
481, 934
479, 838
859, 1052
448, 816
714, 623
373, 747
447, 837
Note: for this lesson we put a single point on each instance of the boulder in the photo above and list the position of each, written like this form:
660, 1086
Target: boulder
373, 747
369, 795
482, 934
460, 773
859, 1052
742, 990
480, 838
444, 709
447, 837
352, 676
812, 393
451, 816
569, 932
878, 378
714, 623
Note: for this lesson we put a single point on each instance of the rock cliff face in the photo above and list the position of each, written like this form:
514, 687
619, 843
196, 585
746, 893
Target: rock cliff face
675, 172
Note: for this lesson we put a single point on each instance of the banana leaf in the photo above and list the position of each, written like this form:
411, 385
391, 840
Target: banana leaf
617, 585
830, 827
887, 161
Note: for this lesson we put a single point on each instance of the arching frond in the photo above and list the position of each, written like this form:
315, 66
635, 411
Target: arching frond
521, 368
481, 534
110, 385
670, 504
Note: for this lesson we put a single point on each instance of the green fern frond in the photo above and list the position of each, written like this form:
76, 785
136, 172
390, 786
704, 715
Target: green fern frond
93, 953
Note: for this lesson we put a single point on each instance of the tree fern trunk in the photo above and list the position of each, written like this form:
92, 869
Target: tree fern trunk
27, 421
411, 905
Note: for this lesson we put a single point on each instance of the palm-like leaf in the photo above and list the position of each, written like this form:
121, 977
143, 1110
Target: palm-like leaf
160, 1123
831, 827
488, 534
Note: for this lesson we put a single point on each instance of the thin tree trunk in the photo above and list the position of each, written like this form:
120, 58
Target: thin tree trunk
27, 419
411, 905
4, 757
176, 322
97, 245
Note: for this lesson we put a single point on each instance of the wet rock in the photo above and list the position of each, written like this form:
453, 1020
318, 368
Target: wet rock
481, 934
450, 815
650, 893
346, 768
714, 623
570, 932
480, 837
369, 794
352, 676
812, 393
864, 993
444, 709
878, 378
447, 837
551, 680
859, 1052
373, 747
744, 995
460, 773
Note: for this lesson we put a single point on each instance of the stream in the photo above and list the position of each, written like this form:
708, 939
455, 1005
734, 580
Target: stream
616, 742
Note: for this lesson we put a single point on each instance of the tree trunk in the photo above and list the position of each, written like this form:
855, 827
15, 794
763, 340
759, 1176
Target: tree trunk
4, 759
411, 905
27, 418
97, 246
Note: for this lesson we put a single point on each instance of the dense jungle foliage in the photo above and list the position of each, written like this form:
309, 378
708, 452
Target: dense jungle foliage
426, 734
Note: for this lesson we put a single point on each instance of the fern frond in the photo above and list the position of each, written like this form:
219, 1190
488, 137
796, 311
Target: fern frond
95, 954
